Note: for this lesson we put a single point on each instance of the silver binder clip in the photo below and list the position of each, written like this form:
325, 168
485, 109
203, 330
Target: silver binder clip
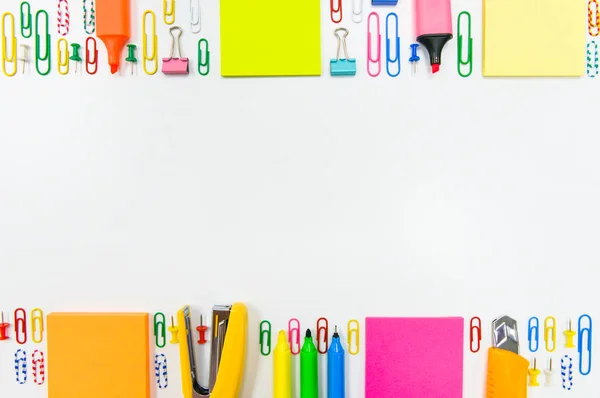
342, 66
176, 65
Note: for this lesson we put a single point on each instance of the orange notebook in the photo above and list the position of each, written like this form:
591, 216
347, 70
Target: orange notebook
98, 355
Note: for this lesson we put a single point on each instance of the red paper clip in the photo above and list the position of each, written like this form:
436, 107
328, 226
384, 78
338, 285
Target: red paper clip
475, 327
88, 61
334, 11
325, 331
294, 342
593, 18
21, 326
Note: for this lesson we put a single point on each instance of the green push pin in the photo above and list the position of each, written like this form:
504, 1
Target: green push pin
75, 57
131, 56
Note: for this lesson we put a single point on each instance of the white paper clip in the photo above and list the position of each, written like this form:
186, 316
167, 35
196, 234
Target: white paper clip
195, 16
176, 65
357, 11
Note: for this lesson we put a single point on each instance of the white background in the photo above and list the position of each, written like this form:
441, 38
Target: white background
302, 197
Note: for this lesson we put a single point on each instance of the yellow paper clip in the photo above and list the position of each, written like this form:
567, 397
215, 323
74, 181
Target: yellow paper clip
169, 15
63, 56
569, 336
534, 374
37, 325
154, 56
353, 329
12, 58
550, 329
174, 332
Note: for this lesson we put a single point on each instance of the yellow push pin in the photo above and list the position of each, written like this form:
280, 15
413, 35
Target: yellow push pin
533, 375
548, 373
569, 337
174, 332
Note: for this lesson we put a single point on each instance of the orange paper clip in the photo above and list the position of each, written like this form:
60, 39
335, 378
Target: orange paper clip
335, 11
322, 335
91, 60
353, 331
294, 335
21, 326
37, 325
475, 334
593, 18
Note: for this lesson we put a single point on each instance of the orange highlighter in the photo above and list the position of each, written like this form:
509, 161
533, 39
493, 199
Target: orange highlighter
507, 370
113, 27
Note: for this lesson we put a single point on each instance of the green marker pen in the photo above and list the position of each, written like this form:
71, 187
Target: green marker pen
309, 368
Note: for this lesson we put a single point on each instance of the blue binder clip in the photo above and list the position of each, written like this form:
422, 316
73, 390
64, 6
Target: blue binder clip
342, 66
384, 2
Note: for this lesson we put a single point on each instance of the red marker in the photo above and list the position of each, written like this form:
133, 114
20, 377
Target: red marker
434, 28
113, 27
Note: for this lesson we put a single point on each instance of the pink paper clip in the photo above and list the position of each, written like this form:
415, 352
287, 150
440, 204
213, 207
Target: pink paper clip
370, 59
322, 335
176, 65
294, 342
89, 59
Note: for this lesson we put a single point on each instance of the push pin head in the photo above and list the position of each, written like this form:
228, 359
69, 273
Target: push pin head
131, 59
548, 373
569, 336
414, 58
533, 375
75, 55
3, 328
174, 332
202, 332
24, 56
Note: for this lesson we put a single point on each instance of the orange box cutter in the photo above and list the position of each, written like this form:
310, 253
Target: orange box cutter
507, 370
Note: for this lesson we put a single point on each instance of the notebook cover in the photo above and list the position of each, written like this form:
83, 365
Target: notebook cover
98, 355
414, 357
534, 37
270, 38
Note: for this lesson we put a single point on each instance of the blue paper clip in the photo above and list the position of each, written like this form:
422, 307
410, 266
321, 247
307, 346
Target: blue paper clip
342, 66
384, 2
580, 344
533, 333
389, 60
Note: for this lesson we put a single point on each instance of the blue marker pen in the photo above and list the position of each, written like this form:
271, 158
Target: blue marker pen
336, 374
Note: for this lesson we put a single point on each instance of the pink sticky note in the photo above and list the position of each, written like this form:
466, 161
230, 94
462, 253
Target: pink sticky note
414, 357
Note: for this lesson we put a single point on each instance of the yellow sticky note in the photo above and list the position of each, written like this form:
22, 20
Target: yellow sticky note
534, 37
98, 355
270, 38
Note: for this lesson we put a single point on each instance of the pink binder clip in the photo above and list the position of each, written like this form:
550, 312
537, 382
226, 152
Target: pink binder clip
176, 65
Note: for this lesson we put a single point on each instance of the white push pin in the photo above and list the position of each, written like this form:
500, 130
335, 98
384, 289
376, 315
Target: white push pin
24, 56
548, 373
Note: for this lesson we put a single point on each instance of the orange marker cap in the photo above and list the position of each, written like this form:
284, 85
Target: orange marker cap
113, 27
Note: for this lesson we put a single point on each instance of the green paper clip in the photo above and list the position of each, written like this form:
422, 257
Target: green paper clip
203, 67
46, 57
26, 30
469, 60
265, 338
160, 331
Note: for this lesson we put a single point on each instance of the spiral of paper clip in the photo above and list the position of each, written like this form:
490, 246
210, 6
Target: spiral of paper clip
265, 338
9, 56
91, 60
21, 366
592, 59
566, 372
294, 336
160, 330
353, 334
550, 333
38, 367
593, 18
584, 344
63, 18
169, 12
370, 60
37, 325
20, 326
322, 335
533, 333
89, 21
154, 56
26, 20
475, 334
160, 368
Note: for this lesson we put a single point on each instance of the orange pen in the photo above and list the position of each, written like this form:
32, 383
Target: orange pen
507, 370
113, 27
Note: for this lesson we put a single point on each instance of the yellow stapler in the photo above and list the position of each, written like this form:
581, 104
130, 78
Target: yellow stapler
228, 351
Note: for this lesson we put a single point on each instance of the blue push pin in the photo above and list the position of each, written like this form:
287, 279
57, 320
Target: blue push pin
414, 58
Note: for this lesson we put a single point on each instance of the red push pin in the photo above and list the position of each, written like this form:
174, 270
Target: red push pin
3, 327
202, 331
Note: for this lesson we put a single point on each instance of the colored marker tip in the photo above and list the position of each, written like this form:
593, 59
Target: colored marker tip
435, 68
114, 69
308, 334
